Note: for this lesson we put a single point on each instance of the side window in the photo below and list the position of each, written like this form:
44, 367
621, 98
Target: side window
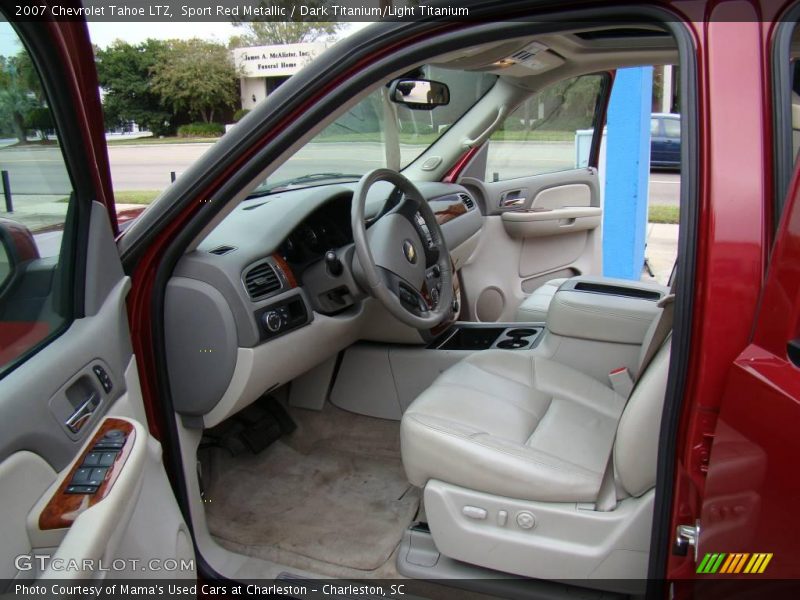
36, 256
672, 128
655, 130
551, 131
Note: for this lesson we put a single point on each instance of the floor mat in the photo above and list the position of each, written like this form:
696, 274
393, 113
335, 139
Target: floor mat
333, 491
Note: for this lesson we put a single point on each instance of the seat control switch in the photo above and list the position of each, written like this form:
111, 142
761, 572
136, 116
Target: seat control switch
473, 512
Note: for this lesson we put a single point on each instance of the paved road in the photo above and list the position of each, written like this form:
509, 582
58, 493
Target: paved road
147, 167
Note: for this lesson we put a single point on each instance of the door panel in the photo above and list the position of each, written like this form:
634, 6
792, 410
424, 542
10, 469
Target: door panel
535, 229
133, 513
74, 483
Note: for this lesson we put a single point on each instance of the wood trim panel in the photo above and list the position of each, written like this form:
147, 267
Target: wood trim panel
287, 270
63, 508
449, 212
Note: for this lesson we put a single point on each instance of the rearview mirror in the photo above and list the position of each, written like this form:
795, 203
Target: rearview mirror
419, 94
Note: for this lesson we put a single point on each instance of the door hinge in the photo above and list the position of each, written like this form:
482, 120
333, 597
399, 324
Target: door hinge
685, 536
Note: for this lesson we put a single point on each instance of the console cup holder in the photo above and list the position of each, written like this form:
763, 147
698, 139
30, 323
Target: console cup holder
473, 336
513, 343
520, 333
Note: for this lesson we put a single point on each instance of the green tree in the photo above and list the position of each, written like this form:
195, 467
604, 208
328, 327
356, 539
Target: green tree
40, 119
124, 71
267, 33
197, 77
19, 94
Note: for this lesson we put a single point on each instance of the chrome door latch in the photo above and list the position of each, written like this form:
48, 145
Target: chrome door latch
685, 536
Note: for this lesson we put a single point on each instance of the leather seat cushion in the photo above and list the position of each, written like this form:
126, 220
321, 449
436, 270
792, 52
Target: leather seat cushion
515, 425
534, 308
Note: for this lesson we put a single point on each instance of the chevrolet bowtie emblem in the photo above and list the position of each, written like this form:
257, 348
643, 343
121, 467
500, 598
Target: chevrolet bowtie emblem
410, 252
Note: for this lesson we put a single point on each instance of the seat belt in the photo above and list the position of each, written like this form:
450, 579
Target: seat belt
607, 494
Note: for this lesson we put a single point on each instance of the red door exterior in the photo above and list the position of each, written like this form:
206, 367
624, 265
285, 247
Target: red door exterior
738, 443
752, 489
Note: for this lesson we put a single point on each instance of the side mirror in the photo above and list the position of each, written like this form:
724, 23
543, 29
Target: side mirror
17, 247
419, 94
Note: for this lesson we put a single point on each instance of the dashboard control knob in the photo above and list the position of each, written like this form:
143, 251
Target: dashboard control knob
333, 264
272, 321
436, 271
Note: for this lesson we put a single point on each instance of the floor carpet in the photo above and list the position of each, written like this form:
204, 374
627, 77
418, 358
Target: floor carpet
332, 491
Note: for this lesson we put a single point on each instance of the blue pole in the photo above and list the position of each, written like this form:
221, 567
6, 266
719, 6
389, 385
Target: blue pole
627, 173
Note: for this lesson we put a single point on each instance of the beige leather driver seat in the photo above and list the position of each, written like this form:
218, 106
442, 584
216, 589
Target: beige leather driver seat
510, 429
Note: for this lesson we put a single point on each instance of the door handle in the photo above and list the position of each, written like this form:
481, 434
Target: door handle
83, 413
512, 198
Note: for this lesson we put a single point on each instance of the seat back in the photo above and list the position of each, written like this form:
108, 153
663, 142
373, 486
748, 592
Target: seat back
636, 445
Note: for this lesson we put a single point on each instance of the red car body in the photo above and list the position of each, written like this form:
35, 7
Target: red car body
747, 284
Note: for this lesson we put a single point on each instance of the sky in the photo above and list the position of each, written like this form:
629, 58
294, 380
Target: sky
104, 34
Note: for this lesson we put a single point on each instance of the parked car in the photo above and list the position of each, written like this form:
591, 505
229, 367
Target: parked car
352, 358
665, 141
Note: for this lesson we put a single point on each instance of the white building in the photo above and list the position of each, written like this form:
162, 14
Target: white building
264, 68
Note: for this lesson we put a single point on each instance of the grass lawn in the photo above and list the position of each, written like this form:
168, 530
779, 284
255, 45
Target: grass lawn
660, 213
151, 141
136, 196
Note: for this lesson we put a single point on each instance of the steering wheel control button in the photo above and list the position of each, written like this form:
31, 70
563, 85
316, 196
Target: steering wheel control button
502, 518
473, 512
526, 520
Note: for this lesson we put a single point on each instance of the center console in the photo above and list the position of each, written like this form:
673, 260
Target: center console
604, 310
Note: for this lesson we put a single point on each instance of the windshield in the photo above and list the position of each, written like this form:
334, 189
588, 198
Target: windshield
359, 140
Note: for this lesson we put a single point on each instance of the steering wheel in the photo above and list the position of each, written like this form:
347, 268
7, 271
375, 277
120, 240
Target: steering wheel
403, 256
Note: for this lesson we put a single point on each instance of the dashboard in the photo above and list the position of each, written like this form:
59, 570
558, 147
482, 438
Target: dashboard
326, 228
259, 299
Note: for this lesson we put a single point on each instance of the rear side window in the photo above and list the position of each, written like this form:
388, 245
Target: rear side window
551, 131
672, 128
655, 130
36, 263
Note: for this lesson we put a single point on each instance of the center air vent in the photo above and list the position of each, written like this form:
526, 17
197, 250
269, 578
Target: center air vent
467, 200
261, 281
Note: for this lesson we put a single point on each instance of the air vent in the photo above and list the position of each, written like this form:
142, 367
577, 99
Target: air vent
467, 200
220, 250
261, 281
